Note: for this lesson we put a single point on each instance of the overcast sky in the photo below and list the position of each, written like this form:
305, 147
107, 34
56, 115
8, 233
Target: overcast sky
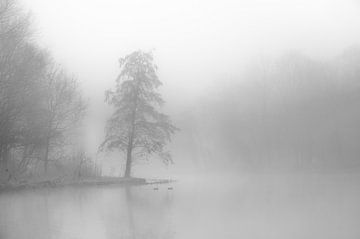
88, 36
195, 42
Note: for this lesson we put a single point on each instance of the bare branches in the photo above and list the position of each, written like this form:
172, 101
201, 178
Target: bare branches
39, 102
136, 127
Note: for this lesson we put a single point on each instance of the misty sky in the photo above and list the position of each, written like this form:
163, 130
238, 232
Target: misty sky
196, 42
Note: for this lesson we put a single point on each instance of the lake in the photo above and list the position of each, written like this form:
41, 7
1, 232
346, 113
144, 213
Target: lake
210, 206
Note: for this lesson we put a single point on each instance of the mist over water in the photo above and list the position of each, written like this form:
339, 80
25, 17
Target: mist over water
181, 119
251, 205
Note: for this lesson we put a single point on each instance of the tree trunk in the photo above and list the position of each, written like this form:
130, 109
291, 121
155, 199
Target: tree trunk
24, 160
1, 159
2, 164
128, 159
131, 136
46, 157
6, 158
6, 155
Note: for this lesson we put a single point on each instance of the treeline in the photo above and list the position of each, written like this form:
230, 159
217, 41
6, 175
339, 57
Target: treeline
292, 113
40, 104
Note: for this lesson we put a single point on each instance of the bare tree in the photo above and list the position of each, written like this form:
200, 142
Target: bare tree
64, 107
136, 127
39, 103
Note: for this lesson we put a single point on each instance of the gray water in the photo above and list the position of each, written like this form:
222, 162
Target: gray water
247, 206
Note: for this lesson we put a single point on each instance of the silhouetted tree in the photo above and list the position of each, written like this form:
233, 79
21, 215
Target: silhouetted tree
64, 107
137, 127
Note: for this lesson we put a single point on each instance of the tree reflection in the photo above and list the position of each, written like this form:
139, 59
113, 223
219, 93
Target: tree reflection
149, 216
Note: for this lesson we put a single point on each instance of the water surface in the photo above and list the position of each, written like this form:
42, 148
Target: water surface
246, 206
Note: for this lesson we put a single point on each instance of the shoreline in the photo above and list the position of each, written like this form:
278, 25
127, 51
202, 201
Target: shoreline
83, 182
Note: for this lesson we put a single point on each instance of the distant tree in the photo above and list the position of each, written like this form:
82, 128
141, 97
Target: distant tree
136, 127
63, 108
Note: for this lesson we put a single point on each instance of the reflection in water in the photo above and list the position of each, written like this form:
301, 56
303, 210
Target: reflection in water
76, 213
129, 201
141, 225
251, 206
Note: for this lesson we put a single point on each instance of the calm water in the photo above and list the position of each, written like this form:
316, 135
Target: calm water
250, 206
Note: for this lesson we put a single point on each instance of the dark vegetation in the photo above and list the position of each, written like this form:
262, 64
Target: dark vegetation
40, 107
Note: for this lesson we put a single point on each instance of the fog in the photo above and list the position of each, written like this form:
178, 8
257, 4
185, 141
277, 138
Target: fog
265, 206
201, 47
252, 107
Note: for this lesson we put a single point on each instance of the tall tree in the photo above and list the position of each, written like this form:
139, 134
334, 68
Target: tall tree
136, 127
